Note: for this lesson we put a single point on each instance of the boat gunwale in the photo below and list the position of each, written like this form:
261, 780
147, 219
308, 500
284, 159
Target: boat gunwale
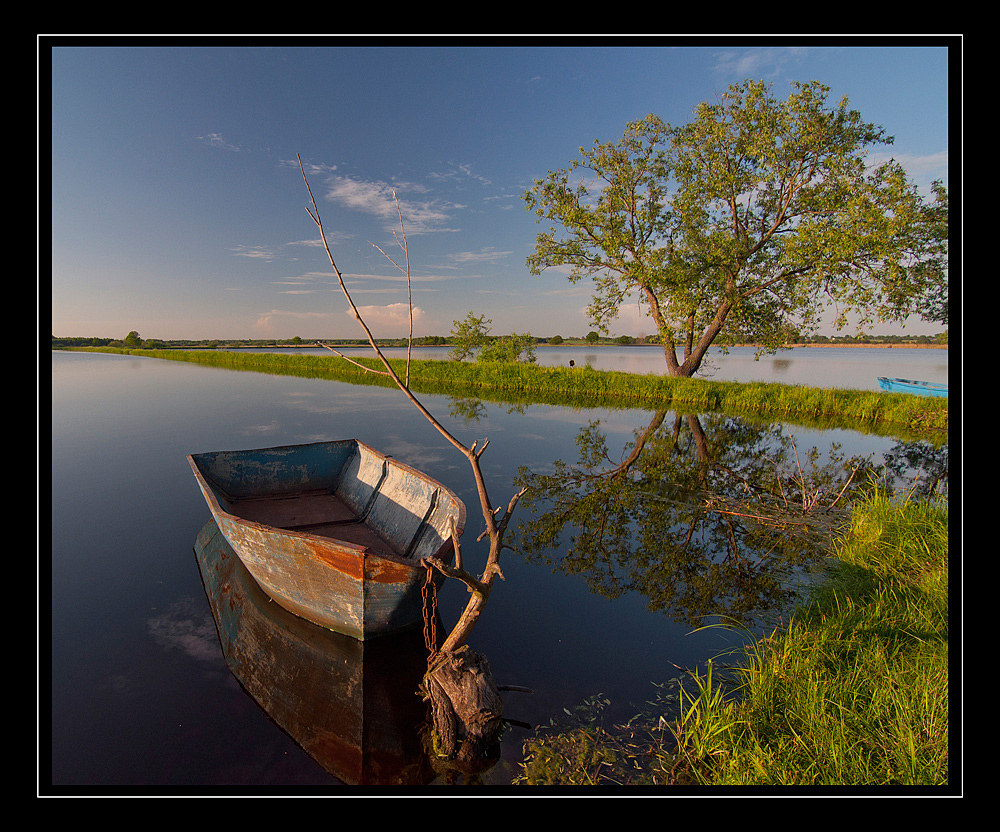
937, 384
892, 384
209, 491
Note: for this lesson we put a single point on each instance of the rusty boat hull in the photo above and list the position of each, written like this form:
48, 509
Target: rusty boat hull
351, 705
334, 532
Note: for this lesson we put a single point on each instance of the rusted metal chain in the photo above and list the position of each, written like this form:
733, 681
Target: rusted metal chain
428, 593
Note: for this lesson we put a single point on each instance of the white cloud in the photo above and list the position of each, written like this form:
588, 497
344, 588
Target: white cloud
393, 317
487, 255
254, 252
922, 169
460, 173
758, 61
376, 198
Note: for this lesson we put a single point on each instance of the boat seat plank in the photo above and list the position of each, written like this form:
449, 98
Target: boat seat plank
295, 511
321, 513
357, 533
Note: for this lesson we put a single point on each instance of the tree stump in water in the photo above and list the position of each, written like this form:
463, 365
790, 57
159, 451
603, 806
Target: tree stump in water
465, 704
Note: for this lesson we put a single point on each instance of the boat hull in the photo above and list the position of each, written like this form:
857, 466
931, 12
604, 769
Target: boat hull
349, 704
918, 388
334, 532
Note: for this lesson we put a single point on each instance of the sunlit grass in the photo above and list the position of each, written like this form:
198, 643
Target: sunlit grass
855, 690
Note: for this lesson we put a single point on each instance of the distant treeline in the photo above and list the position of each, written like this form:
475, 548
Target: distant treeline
236, 343
592, 339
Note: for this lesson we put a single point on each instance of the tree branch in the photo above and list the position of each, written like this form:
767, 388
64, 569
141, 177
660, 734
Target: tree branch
352, 361
479, 587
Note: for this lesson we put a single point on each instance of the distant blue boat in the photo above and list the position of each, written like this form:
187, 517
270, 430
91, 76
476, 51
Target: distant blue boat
919, 388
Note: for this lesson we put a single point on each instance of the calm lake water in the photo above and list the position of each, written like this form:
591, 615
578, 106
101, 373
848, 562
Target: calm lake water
142, 700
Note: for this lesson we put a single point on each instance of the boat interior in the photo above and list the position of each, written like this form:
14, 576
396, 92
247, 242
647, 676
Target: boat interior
342, 491
317, 512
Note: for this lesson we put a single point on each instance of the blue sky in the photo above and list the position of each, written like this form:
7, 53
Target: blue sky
178, 211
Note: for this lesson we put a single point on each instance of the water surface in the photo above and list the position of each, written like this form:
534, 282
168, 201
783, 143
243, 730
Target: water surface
141, 696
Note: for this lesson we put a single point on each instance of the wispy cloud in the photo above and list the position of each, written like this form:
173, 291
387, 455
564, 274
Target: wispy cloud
922, 169
420, 215
764, 62
487, 255
255, 252
460, 173
216, 140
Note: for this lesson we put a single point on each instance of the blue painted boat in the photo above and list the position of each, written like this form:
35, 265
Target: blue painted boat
332, 531
918, 388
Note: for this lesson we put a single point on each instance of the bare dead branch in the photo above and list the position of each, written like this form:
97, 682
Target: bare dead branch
478, 587
471, 581
401, 242
352, 361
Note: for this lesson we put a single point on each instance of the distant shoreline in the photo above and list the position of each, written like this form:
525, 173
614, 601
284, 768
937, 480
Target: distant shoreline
395, 343
790, 346
576, 345
865, 346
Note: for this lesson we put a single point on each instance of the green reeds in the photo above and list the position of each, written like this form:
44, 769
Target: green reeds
853, 692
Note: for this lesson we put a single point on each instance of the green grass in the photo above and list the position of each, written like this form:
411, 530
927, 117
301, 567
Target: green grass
584, 386
853, 692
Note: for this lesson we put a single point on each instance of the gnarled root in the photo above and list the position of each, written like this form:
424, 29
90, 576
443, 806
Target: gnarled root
465, 704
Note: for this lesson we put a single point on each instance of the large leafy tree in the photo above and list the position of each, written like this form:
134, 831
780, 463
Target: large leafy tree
744, 225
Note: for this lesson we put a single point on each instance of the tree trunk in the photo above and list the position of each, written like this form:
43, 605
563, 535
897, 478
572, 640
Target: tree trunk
466, 707
694, 354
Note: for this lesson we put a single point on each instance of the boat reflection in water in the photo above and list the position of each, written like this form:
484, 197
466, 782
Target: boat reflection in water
352, 705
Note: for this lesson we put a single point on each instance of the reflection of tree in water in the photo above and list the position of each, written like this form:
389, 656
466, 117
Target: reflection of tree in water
467, 409
923, 466
702, 516
474, 410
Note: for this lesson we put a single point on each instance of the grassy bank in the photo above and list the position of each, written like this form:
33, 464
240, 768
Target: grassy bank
853, 692
583, 386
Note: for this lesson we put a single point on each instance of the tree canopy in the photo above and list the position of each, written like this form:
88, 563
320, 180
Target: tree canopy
746, 224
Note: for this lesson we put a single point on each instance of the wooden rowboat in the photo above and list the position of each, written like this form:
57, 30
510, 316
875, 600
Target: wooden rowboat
332, 531
919, 388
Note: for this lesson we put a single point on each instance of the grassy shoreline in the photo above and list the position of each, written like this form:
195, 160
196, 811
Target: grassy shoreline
853, 692
874, 411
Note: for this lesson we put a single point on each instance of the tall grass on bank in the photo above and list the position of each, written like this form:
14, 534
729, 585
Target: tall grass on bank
855, 691
584, 386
